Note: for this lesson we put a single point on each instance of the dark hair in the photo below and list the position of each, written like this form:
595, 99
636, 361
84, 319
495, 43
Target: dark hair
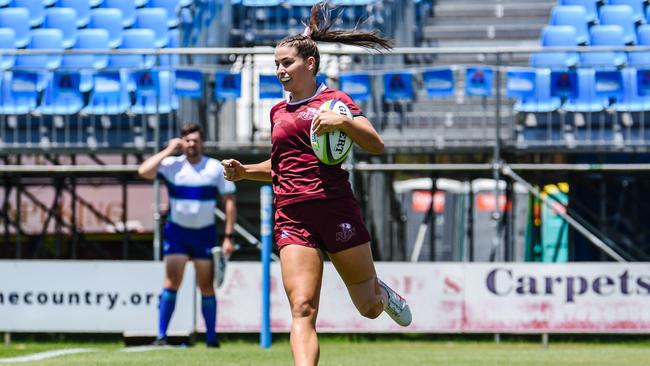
306, 44
191, 127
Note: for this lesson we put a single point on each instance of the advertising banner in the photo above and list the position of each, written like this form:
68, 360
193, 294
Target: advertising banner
439, 82
398, 86
88, 296
270, 87
227, 85
102, 296
356, 85
189, 83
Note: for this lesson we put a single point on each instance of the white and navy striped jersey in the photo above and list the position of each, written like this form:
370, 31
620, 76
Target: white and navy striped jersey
193, 190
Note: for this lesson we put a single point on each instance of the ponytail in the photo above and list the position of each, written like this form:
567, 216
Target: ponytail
323, 33
305, 43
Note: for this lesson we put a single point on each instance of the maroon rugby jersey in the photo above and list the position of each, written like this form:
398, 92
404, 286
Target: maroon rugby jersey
297, 173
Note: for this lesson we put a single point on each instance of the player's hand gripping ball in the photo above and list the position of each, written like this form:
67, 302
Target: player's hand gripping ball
333, 147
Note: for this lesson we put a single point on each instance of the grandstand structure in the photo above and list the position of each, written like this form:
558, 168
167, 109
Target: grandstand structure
89, 88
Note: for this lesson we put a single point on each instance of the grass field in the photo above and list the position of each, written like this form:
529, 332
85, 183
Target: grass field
348, 351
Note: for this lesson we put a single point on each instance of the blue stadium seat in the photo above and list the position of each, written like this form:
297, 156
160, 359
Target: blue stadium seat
140, 3
641, 58
586, 100
144, 39
126, 6
82, 7
638, 13
94, 39
19, 95
156, 20
623, 16
352, 2
48, 39
574, 16
591, 8
171, 6
64, 19
89, 39
62, 96
557, 36
261, 2
18, 20
605, 35
4, 3
174, 42
541, 101
300, 9
7, 41
158, 100
302, 2
630, 100
109, 95
36, 10
111, 20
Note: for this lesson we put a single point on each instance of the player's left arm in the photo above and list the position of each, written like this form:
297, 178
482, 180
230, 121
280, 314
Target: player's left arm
230, 209
358, 128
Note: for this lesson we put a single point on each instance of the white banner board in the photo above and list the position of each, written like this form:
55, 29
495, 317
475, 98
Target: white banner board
102, 296
87, 296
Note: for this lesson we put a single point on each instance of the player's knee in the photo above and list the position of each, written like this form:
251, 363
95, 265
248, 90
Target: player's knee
366, 297
303, 307
173, 282
206, 289
373, 309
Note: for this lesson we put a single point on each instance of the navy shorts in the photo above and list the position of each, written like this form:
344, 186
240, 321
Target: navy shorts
195, 243
332, 225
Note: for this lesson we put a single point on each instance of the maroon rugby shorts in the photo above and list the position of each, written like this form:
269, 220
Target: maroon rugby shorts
332, 225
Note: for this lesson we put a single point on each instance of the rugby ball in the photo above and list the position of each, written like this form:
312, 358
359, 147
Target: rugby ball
333, 147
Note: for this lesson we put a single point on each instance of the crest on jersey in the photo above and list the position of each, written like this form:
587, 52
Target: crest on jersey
346, 232
308, 114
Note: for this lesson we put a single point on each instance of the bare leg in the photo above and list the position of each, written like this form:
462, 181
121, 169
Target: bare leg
357, 269
204, 276
174, 269
370, 295
302, 275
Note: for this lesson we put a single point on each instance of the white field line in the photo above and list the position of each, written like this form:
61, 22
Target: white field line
44, 355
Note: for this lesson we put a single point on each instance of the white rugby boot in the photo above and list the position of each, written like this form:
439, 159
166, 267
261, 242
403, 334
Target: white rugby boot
396, 306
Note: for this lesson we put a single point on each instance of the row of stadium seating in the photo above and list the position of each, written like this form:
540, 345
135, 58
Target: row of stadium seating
121, 94
611, 86
569, 27
540, 90
96, 39
65, 20
617, 12
264, 22
41, 13
121, 109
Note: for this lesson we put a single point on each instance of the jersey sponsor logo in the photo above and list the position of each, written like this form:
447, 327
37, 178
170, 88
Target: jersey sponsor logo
346, 233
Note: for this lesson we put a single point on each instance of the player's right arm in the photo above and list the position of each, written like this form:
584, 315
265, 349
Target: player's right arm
236, 171
149, 167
